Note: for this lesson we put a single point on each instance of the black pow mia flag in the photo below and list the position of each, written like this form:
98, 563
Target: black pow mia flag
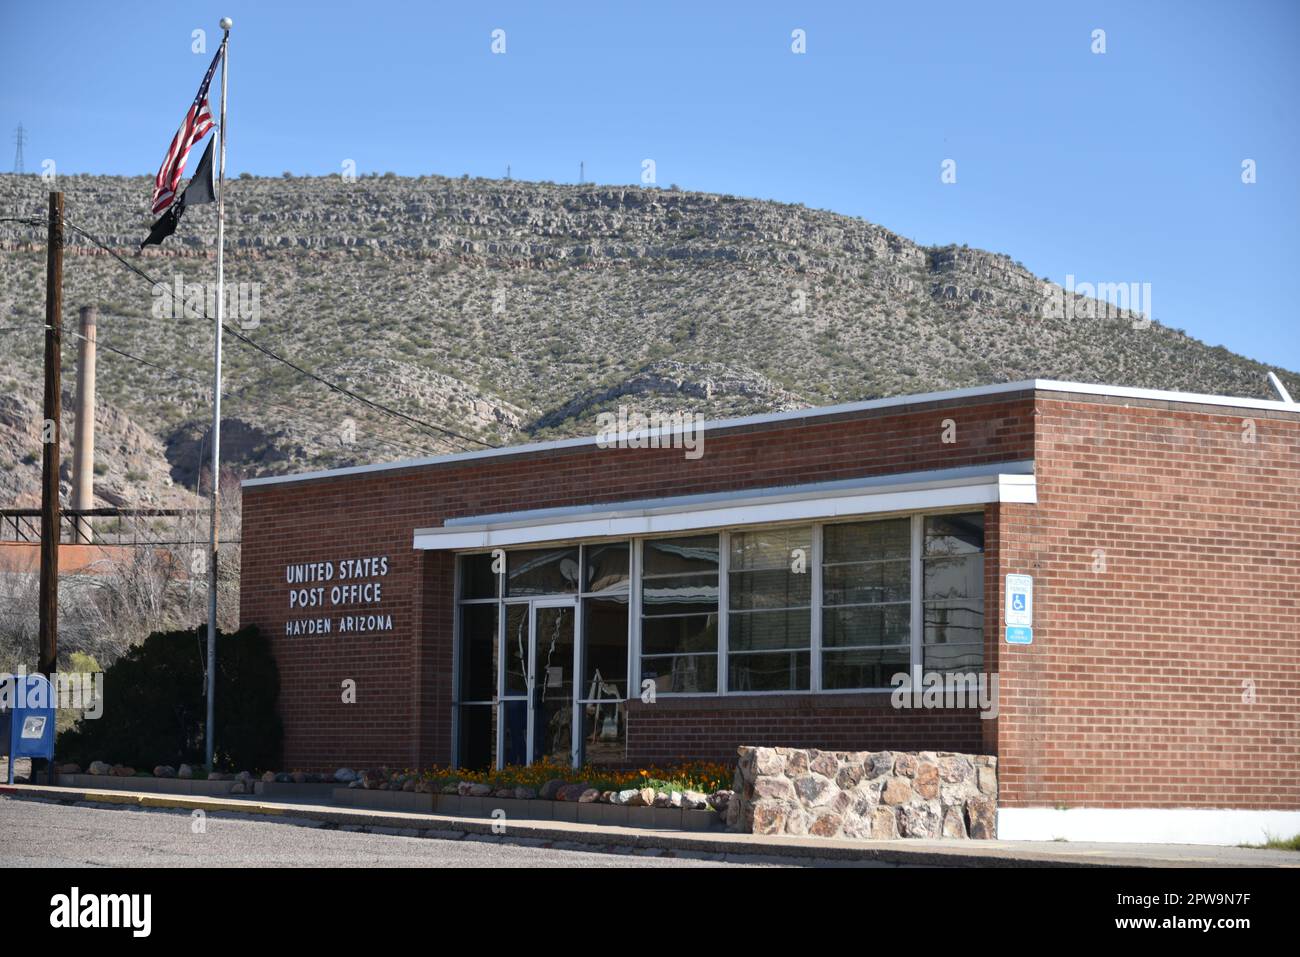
199, 191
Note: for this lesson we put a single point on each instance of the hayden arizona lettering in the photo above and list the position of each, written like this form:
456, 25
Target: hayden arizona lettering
324, 586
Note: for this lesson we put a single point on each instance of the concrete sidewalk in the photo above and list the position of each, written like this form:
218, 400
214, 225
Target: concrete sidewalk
791, 849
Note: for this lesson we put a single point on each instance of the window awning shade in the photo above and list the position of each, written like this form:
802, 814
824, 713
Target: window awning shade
821, 501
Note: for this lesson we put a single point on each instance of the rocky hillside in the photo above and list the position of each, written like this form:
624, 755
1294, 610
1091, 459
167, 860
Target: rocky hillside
510, 311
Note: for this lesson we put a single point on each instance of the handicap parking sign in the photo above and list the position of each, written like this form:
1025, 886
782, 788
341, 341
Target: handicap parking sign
1020, 603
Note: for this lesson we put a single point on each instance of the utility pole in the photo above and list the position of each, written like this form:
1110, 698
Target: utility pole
582, 171
49, 607
19, 137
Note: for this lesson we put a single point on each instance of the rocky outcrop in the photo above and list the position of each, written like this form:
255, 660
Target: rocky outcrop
706, 384
130, 462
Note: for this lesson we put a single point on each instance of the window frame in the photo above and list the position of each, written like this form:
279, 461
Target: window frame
719, 654
724, 664
981, 598
821, 605
636, 565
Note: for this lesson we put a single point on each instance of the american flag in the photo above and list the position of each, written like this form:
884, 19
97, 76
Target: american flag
195, 126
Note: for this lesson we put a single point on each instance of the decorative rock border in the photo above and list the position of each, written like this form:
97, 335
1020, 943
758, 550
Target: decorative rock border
577, 803
106, 782
220, 787
534, 809
879, 795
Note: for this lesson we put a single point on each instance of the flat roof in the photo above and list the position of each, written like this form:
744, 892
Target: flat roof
1011, 481
817, 412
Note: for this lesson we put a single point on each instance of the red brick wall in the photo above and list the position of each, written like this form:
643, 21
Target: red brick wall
712, 729
403, 678
1132, 692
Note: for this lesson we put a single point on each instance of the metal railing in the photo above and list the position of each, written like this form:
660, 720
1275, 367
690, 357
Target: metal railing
146, 527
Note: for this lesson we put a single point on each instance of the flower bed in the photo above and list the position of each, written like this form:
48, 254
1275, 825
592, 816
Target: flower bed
698, 786
694, 786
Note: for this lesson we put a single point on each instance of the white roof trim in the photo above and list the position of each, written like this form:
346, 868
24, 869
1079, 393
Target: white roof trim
1005, 482
1040, 385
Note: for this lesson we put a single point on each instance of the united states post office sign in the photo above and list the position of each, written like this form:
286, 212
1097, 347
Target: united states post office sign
337, 597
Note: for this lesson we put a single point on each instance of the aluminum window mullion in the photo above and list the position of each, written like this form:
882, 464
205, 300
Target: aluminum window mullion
498, 709
579, 655
917, 591
662, 575
530, 680
683, 614
873, 604
815, 609
868, 561
456, 691
724, 609
634, 620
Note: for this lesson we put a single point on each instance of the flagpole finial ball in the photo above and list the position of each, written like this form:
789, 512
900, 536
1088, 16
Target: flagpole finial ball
226, 23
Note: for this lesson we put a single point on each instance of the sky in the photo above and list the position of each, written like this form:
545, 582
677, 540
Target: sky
1122, 166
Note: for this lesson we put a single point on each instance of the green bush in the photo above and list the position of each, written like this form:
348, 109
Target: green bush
154, 705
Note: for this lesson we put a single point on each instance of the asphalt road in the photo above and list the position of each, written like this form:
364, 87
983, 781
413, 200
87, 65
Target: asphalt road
97, 836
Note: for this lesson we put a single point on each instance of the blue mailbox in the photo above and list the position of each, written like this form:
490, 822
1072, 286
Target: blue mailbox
27, 723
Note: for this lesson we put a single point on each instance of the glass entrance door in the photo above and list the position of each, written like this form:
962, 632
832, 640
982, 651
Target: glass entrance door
537, 682
553, 668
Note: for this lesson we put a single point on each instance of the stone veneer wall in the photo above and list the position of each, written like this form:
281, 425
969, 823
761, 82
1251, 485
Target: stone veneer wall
880, 795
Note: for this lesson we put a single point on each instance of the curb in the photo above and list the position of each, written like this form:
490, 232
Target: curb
611, 838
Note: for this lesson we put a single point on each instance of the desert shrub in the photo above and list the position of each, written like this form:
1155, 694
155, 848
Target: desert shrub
154, 708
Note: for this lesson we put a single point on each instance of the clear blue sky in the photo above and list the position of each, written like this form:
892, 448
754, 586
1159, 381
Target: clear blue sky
1119, 167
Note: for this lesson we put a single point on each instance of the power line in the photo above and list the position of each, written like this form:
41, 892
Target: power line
386, 410
348, 393
234, 396
270, 353
374, 433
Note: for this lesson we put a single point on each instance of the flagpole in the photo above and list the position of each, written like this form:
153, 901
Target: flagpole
215, 512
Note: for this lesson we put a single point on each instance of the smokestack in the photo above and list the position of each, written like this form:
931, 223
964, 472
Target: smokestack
83, 449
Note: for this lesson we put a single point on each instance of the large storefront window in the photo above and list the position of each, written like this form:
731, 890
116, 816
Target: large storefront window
769, 601
554, 640
607, 567
954, 593
478, 684
543, 655
542, 571
866, 603
679, 614
602, 691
